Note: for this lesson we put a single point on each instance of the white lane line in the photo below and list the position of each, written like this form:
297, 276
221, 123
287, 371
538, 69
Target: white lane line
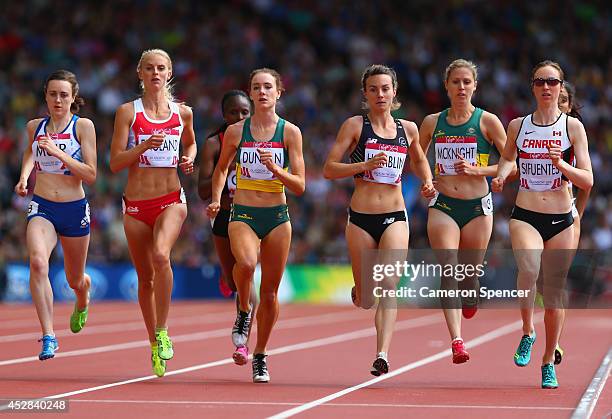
341, 338
120, 327
487, 337
585, 408
282, 324
32, 321
132, 324
372, 405
19, 324
101, 312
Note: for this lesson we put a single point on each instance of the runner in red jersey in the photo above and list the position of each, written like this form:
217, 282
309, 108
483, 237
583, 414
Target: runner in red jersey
147, 137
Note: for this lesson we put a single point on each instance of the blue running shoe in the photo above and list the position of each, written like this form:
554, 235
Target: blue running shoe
549, 378
523, 352
49, 346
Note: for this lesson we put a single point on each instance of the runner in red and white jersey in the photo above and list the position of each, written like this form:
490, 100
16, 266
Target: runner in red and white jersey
143, 127
541, 224
536, 170
148, 135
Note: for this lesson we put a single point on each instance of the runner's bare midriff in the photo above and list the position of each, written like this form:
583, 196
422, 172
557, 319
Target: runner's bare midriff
58, 188
462, 186
151, 182
376, 198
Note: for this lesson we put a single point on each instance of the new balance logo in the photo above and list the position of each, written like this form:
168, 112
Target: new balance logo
557, 222
389, 220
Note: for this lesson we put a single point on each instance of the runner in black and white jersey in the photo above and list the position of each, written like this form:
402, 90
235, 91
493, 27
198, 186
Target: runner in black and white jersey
545, 143
378, 145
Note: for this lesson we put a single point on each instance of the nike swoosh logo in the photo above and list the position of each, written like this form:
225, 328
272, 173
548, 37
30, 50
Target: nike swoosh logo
529, 132
557, 222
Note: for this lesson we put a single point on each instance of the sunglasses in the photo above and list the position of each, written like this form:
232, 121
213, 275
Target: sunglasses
551, 82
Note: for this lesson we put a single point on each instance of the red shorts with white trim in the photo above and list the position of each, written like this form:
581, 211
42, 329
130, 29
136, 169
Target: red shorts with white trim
148, 210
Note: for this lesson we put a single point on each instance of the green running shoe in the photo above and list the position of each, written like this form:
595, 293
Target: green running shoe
539, 300
159, 365
164, 345
78, 318
523, 352
549, 378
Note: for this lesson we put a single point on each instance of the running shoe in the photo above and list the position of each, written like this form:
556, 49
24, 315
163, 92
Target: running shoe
460, 355
224, 289
164, 345
380, 365
241, 355
240, 331
78, 318
523, 352
558, 355
469, 305
549, 377
159, 365
260, 369
49, 346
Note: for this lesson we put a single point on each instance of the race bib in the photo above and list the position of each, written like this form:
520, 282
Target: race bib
433, 200
538, 173
166, 155
487, 204
87, 217
231, 183
449, 150
250, 163
391, 173
43, 162
32, 208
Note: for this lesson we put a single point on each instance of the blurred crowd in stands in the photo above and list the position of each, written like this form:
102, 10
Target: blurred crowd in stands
320, 48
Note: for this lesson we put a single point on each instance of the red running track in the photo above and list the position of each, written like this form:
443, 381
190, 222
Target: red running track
319, 365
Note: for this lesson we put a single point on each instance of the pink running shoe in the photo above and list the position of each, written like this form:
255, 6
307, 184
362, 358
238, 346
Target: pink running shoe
460, 355
223, 288
241, 355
